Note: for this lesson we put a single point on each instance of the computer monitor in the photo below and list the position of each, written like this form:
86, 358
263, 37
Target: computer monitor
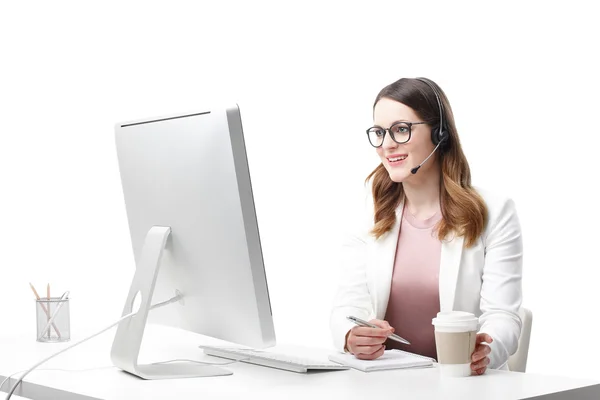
194, 233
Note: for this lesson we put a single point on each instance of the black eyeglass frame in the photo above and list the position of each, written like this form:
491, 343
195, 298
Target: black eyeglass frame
389, 130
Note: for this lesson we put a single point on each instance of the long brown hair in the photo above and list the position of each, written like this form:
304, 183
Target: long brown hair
463, 210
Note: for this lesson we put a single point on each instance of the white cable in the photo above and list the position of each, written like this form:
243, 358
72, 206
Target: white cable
7, 378
62, 351
164, 303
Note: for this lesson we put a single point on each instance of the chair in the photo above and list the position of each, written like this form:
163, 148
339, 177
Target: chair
518, 361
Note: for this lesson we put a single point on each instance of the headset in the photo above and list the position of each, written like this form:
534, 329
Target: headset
439, 134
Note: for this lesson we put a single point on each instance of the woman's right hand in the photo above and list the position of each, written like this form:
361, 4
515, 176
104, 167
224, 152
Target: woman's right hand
367, 343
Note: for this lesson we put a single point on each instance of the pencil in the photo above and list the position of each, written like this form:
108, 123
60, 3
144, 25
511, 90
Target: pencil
37, 296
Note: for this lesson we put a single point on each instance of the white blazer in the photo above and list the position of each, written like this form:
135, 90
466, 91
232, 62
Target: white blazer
484, 279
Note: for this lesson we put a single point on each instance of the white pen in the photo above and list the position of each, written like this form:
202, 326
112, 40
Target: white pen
361, 322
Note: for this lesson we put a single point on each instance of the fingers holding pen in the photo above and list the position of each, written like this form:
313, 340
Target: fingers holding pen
367, 344
368, 352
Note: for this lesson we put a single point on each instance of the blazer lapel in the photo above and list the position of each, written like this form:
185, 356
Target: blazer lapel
385, 255
449, 268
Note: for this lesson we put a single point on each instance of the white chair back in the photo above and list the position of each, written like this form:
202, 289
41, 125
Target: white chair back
518, 361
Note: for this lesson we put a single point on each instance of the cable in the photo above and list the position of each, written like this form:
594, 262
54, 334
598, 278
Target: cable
164, 303
7, 378
63, 350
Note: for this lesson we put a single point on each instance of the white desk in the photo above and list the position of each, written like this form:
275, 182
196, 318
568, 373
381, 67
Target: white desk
100, 380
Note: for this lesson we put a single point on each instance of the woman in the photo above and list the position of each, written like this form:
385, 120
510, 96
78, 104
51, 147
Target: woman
430, 241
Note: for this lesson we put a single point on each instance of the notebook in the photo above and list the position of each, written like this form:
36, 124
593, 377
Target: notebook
391, 359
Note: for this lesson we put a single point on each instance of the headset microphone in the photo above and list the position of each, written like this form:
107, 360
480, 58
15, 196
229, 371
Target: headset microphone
415, 169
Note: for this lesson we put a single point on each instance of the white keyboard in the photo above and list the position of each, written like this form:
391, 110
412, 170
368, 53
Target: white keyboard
271, 359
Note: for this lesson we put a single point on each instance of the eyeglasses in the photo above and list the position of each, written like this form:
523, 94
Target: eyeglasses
399, 132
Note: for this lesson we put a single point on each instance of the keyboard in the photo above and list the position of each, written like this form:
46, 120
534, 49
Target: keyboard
271, 359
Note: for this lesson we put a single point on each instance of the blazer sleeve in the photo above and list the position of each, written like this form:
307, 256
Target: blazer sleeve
501, 290
352, 296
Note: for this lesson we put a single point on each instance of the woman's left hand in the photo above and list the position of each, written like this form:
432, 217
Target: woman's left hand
480, 359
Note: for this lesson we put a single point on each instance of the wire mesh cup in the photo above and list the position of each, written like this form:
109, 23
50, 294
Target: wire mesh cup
53, 320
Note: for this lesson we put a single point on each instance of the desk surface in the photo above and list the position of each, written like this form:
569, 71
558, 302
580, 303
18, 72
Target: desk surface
92, 375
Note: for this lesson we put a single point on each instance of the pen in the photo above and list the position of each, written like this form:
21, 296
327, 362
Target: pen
360, 322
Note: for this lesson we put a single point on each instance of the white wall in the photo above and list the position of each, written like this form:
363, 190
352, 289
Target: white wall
522, 81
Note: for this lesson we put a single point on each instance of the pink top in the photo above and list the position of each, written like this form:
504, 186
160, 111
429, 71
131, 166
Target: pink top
414, 295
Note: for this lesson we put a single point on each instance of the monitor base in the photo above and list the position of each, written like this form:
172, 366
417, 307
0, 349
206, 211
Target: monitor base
178, 370
130, 332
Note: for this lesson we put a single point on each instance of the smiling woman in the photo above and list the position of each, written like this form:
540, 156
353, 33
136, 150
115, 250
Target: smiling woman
431, 242
403, 155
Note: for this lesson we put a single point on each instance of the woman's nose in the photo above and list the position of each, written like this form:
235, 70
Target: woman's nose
388, 142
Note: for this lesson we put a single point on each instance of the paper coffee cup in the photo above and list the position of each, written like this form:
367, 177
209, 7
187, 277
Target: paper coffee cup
455, 333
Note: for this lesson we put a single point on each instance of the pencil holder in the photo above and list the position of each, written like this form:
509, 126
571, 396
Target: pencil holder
53, 320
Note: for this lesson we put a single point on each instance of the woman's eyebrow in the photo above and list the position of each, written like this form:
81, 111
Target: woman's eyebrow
393, 123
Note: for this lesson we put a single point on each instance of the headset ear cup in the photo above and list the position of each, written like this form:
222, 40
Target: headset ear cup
435, 136
438, 136
443, 137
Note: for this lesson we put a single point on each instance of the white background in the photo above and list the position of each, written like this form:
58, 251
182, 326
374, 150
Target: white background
521, 78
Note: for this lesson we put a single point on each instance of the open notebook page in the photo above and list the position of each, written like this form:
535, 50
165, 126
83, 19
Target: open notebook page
391, 359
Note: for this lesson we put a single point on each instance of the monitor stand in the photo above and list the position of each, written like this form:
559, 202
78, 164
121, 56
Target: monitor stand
128, 339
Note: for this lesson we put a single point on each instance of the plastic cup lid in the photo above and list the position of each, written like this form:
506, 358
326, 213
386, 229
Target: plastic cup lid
454, 318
